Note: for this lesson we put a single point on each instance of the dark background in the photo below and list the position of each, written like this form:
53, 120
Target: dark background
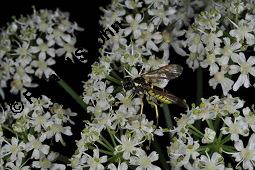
87, 15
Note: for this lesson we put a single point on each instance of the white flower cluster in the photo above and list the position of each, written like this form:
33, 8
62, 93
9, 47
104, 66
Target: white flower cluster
29, 46
117, 130
25, 136
222, 38
213, 132
152, 25
115, 116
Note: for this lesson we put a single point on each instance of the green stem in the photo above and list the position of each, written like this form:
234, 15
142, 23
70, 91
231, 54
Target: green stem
195, 133
167, 116
72, 93
7, 128
199, 94
225, 140
216, 123
229, 148
106, 152
202, 149
101, 150
107, 143
196, 130
112, 79
162, 158
103, 144
112, 138
220, 136
210, 124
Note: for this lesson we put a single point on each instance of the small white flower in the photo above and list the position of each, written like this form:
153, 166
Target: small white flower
249, 117
244, 32
162, 14
193, 60
42, 66
95, 162
127, 146
135, 25
216, 162
236, 128
143, 161
211, 61
245, 68
45, 163
219, 78
15, 149
212, 40
194, 42
172, 39
44, 48
133, 4
209, 136
245, 154
16, 166
149, 38
24, 53
67, 48
229, 50
37, 147
121, 166
55, 130
128, 103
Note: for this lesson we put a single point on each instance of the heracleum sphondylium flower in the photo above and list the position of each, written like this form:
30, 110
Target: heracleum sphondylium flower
114, 110
224, 125
29, 132
28, 46
220, 35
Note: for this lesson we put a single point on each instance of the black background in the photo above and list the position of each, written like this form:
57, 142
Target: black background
87, 14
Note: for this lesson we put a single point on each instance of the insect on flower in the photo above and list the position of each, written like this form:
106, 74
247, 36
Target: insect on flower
150, 84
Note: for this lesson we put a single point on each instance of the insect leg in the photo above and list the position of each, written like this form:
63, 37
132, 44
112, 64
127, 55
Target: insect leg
141, 111
156, 110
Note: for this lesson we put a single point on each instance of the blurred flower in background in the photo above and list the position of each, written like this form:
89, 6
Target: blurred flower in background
29, 45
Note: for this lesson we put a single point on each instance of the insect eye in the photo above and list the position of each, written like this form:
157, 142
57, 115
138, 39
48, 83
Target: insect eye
138, 65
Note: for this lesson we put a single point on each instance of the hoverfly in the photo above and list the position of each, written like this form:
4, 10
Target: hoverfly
145, 83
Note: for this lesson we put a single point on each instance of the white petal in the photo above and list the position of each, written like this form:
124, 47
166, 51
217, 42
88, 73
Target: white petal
246, 81
60, 51
39, 41
239, 82
129, 19
137, 33
42, 55
138, 17
251, 60
50, 61
252, 71
34, 49
234, 69
51, 52
223, 60
239, 145
226, 85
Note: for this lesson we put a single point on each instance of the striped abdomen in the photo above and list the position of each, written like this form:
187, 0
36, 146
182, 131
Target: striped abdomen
159, 96
166, 97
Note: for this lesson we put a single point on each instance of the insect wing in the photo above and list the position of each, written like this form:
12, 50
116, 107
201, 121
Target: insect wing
161, 76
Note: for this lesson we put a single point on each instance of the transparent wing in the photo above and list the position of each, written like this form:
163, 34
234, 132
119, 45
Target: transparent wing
161, 76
